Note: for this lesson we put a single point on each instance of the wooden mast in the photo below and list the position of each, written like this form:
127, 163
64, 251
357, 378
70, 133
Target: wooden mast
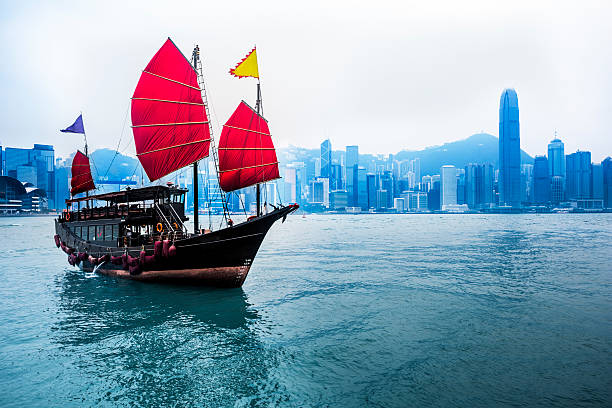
196, 221
258, 107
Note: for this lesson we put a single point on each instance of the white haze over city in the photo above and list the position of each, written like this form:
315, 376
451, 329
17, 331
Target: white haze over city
383, 75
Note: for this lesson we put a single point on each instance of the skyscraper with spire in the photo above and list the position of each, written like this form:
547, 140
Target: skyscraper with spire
509, 150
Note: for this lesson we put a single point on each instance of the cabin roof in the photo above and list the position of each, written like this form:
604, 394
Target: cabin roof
134, 194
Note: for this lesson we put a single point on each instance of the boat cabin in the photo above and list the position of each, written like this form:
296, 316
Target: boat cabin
131, 217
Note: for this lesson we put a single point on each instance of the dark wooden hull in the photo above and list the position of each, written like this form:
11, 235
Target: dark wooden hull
221, 258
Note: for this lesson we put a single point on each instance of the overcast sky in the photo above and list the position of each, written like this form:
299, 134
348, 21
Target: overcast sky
383, 75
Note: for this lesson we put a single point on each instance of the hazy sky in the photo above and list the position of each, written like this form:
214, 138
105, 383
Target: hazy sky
383, 75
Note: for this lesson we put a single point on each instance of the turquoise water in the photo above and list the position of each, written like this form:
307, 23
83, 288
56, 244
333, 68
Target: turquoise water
338, 311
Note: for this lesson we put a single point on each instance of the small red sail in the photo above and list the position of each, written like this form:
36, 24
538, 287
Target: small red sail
246, 151
169, 121
81, 175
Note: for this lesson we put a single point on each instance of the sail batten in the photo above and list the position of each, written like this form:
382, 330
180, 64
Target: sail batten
81, 180
246, 152
169, 122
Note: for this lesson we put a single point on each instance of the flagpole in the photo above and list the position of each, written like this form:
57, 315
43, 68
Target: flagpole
86, 149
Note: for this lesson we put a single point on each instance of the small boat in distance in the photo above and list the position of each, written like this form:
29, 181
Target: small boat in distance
140, 233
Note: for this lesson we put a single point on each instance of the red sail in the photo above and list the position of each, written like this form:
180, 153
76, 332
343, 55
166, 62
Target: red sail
81, 175
246, 151
168, 116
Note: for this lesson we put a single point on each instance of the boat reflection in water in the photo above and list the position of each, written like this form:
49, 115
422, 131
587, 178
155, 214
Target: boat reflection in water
134, 343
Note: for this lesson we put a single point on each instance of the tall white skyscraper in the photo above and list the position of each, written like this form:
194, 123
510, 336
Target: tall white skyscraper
448, 187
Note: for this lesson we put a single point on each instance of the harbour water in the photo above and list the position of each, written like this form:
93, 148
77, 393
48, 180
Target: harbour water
338, 311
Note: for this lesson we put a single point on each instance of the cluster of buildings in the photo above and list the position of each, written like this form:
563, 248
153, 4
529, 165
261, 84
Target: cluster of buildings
27, 179
31, 180
381, 184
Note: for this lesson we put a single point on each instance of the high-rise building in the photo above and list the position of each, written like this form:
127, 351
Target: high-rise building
488, 185
557, 188
509, 150
415, 167
460, 186
326, 159
387, 184
556, 158
352, 160
336, 177
541, 180
578, 175
36, 166
371, 187
606, 164
473, 184
597, 183
448, 186
319, 188
360, 187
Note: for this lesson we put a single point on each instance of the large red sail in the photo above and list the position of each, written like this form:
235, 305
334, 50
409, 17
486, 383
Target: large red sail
81, 175
246, 151
168, 116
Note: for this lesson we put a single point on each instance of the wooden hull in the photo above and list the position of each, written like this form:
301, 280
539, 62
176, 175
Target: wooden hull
222, 258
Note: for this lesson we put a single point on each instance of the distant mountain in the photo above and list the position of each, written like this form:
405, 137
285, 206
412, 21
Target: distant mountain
478, 148
115, 168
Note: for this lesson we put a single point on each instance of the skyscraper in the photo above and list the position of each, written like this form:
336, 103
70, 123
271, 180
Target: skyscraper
509, 150
352, 160
448, 187
326, 160
607, 180
541, 180
578, 175
556, 158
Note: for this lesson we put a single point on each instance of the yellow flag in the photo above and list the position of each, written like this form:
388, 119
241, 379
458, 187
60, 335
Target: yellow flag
247, 67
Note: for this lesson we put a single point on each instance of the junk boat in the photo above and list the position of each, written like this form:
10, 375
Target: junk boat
140, 233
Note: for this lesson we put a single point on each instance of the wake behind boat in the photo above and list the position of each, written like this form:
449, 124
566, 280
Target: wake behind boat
140, 233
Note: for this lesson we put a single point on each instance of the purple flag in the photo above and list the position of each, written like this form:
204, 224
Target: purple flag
76, 127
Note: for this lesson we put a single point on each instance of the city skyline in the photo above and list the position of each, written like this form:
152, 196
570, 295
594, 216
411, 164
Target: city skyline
385, 90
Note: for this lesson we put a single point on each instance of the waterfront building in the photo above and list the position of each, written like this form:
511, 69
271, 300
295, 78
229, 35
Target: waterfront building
335, 182
541, 180
387, 185
433, 195
352, 160
398, 204
326, 159
606, 165
360, 187
556, 160
319, 191
290, 193
415, 201
460, 186
338, 199
371, 189
426, 183
557, 188
448, 186
381, 199
487, 197
35, 166
526, 183
597, 184
509, 150
17, 197
473, 184
578, 175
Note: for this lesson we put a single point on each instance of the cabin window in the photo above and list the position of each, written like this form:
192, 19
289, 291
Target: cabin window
100, 232
115, 231
77, 231
108, 232
90, 232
